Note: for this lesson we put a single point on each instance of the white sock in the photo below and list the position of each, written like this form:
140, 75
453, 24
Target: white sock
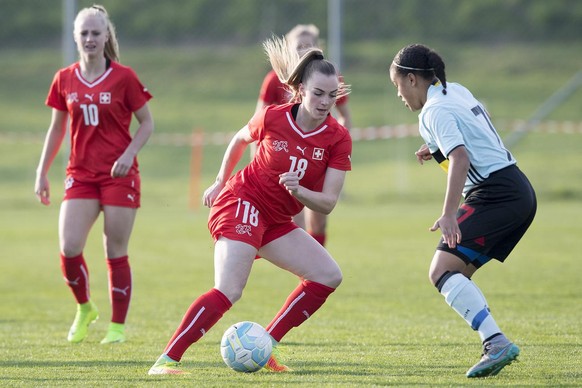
467, 300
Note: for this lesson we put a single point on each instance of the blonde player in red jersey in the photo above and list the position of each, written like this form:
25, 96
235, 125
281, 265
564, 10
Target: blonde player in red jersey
302, 37
99, 96
302, 158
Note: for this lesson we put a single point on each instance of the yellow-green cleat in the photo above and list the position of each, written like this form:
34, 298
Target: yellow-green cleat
115, 334
87, 313
166, 366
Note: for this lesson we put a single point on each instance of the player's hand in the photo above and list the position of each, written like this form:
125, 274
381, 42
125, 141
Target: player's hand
42, 190
291, 181
211, 193
121, 166
449, 229
423, 154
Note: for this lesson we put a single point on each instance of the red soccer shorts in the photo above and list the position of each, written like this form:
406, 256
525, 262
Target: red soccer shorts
237, 218
124, 191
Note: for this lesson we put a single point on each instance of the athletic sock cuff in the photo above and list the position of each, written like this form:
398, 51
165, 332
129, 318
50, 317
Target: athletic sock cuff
119, 262
318, 289
221, 298
79, 257
443, 279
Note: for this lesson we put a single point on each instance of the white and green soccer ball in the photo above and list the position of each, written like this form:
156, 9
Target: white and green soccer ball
246, 347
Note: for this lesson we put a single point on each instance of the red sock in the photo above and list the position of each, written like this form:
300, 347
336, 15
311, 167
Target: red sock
303, 302
200, 317
119, 287
320, 238
76, 276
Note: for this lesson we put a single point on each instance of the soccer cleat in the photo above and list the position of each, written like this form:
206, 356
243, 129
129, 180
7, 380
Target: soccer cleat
115, 334
166, 366
87, 313
273, 365
495, 357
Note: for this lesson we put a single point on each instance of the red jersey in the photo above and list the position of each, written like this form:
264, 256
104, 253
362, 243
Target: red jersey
284, 147
274, 92
100, 115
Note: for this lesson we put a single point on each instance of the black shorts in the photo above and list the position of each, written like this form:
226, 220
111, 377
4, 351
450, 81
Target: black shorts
494, 217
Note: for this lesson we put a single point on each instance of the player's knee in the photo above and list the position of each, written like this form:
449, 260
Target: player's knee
116, 246
337, 280
333, 278
434, 276
232, 293
71, 249
233, 296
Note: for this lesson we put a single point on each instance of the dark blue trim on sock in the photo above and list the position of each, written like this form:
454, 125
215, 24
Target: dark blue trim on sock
479, 318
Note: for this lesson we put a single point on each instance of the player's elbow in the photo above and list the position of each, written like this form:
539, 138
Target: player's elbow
328, 205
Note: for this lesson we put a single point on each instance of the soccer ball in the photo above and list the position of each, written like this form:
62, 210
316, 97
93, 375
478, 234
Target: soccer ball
246, 346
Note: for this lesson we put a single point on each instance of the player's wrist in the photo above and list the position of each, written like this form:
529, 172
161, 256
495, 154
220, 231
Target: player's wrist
219, 181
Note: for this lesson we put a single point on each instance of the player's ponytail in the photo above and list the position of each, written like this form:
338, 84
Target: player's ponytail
436, 62
292, 70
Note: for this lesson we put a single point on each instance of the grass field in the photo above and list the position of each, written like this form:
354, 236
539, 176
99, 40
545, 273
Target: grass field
385, 325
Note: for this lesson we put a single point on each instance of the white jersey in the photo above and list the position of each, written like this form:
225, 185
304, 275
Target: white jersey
458, 119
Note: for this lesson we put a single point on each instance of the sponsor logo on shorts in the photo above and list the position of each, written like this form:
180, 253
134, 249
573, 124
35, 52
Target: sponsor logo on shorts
243, 229
69, 182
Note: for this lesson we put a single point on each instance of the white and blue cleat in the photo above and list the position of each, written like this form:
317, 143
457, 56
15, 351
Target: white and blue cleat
495, 357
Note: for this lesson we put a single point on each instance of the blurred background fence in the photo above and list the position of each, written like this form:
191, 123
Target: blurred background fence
512, 53
203, 62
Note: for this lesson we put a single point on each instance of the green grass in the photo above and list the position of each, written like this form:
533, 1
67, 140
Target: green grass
385, 325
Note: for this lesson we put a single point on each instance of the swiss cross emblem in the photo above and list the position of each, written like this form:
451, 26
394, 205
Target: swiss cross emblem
317, 154
105, 98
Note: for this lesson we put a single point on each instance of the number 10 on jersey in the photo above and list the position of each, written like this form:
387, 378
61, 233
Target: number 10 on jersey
90, 114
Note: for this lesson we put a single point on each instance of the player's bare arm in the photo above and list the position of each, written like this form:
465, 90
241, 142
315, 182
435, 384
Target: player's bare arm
234, 152
146, 127
447, 223
322, 202
54, 139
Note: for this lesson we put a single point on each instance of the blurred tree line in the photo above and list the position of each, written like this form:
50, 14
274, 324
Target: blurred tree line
34, 23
